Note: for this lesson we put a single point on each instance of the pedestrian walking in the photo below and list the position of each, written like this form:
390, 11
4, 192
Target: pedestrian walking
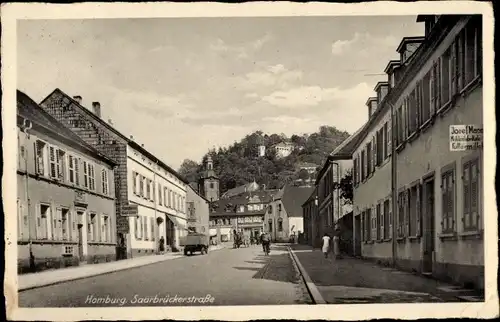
162, 245
326, 244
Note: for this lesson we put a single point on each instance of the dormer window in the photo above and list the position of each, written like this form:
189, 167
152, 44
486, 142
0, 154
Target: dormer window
372, 106
408, 47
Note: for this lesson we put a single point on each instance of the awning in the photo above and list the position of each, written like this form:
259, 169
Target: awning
178, 222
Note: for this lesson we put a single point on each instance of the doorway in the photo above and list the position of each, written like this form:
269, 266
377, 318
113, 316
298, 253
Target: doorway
428, 226
357, 235
80, 235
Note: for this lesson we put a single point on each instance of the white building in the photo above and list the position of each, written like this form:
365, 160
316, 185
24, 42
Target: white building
283, 149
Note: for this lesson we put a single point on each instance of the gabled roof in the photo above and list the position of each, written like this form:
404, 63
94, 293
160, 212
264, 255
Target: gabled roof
130, 142
264, 196
293, 198
238, 190
29, 109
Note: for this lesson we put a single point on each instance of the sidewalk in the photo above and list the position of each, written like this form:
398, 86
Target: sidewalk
50, 277
352, 280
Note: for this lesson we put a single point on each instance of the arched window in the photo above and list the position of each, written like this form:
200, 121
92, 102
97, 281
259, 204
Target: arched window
211, 185
280, 224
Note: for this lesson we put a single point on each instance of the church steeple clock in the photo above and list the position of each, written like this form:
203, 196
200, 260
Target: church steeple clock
209, 182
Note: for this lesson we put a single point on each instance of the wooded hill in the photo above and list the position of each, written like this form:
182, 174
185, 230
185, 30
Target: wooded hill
240, 163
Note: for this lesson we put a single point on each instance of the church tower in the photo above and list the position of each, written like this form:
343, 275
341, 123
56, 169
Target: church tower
209, 182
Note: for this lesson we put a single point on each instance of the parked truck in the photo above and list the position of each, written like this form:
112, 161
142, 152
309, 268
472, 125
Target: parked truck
196, 242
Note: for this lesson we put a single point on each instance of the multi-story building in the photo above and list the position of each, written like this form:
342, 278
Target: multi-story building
244, 213
150, 195
283, 149
418, 174
66, 196
284, 217
197, 212
310, 213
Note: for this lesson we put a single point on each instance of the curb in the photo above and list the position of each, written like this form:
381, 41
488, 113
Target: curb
311, 287
71, 279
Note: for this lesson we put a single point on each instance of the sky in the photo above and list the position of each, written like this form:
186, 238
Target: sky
181, 86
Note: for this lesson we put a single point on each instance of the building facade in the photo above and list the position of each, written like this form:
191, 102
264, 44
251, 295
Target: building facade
418, 161
198, 212
66, 197
284, 217
310, 213
283, 149
150, 196
244, 213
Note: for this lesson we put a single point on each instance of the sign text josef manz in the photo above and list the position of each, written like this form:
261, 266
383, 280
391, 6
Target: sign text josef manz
466, 137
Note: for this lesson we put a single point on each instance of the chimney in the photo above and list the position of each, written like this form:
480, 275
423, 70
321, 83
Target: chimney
110, 122
372, 106
382, 88
142, 145
78, 98
392, 73
97, 109
132, 137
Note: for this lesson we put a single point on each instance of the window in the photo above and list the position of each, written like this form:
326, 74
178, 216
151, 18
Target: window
380, 146
91, 176
401, 214
387, 219
92, 227
414, 208
160, 195
270, 225
136, 227
380, 222
42, 222
106, 229
434, 90
104, 181
73, 169
412, 111
241, 208
211, 185
141, 185
445, 88
145, 227
148, 189
470, 182
472, 50
56, 225
65, 227
368, 224
369, 158
426, 88
40, 154
355, 170
270, 209
165, 196
280, 224
152, 227
60, 163
387, 139
52, 162
448, 197
363, 165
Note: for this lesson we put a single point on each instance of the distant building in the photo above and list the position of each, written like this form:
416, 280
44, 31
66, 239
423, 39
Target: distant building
244, 212
283, 149
209, 182
261, 150
249, 187
284, 215
198, 212
66, 195
151, 196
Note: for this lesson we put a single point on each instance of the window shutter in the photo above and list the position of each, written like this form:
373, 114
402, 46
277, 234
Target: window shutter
365, 166
58, 163
390, 218
77, 173
374, 145
474, 187
453, 68
466, 219
374, 223
136, 228
419, 210
363, 233
358, 174
389, 137
438, 87
52, 158
407, 212
382, 221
